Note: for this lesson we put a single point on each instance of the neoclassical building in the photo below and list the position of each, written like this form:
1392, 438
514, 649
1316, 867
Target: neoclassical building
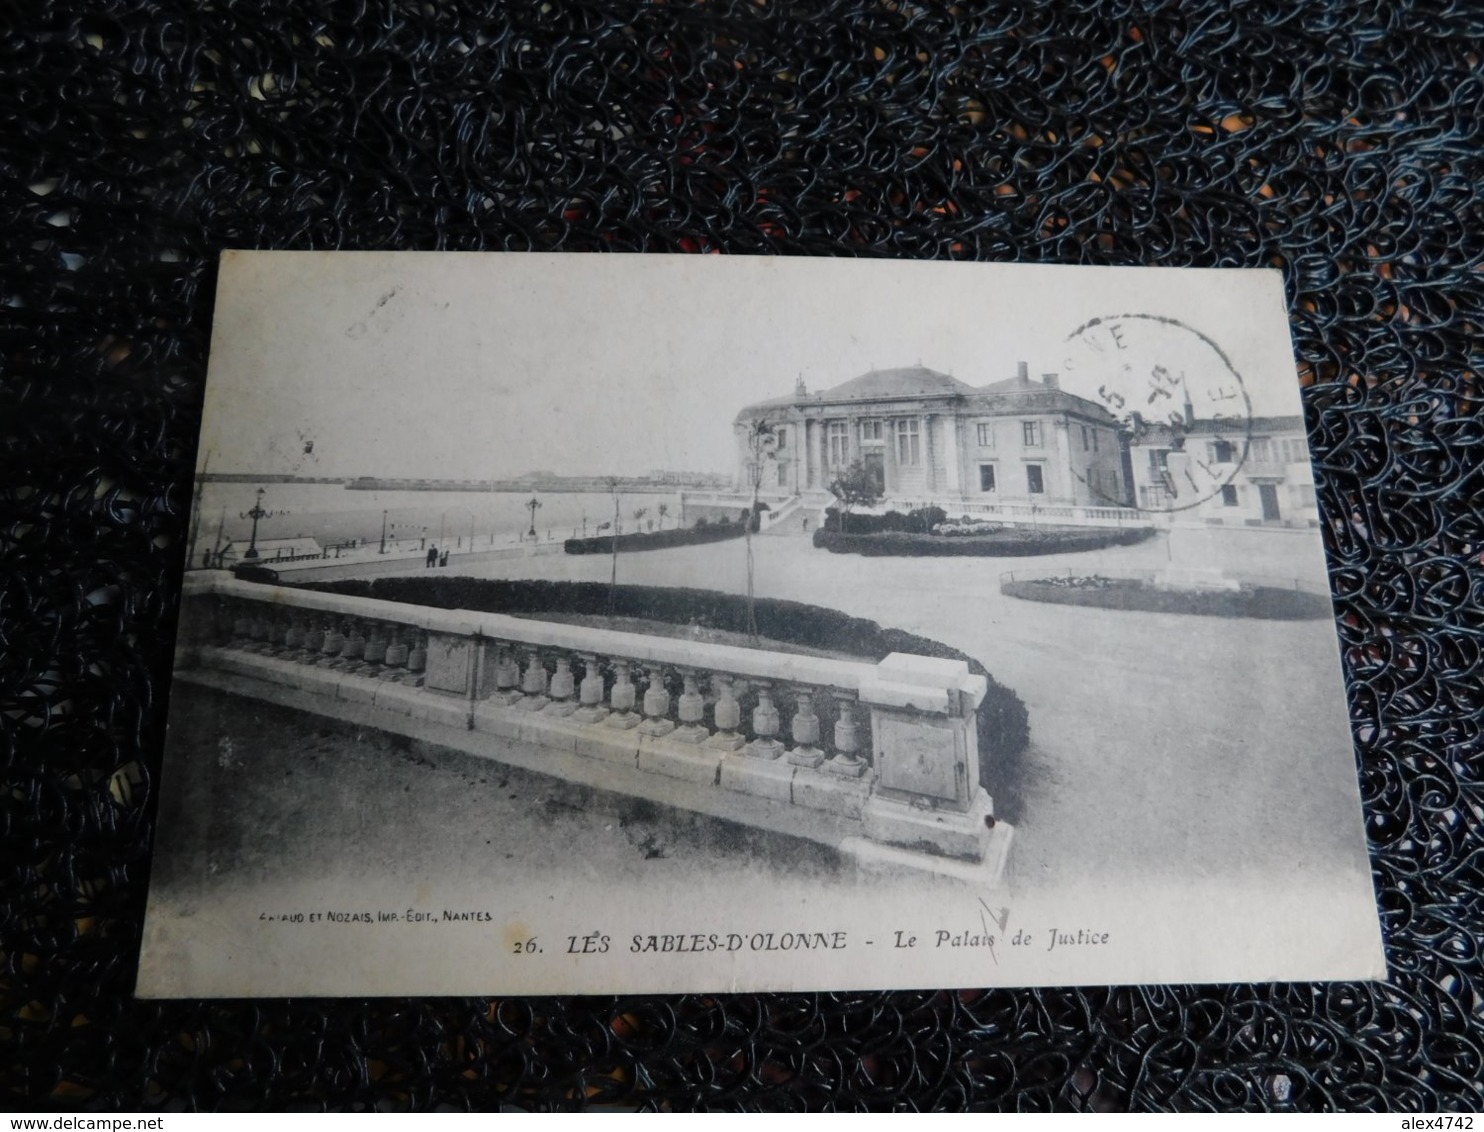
927, 436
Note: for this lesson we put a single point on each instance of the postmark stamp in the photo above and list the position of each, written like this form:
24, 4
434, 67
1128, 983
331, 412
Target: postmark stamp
1167, 383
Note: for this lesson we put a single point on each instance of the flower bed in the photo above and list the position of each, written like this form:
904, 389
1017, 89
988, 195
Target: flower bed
1268, 603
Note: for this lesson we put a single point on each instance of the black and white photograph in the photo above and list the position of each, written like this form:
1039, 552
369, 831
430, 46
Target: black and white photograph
629, 623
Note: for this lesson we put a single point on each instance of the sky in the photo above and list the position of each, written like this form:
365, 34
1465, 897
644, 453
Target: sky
472, 366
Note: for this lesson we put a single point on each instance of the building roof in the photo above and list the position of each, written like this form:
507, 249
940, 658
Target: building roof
908, 381
1016, 394
1163, 434
914, 382
1025, 395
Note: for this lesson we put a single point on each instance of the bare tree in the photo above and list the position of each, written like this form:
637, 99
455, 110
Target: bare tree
662, 510
762, 442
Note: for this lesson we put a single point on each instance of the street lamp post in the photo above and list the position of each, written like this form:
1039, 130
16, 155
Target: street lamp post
383, 533
255, 514
531, 506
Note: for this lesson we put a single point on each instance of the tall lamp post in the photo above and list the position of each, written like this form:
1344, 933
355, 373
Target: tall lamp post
531, 506
383, 533
255, 514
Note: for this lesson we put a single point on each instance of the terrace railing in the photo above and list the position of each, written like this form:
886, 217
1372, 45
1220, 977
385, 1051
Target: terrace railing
888, 748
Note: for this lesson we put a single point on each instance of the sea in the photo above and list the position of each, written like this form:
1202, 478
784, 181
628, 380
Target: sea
333, 514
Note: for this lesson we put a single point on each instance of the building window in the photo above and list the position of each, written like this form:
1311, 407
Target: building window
870, 430
1094, 440
909, 444
837, 437
782, 439
782, 473
1085, 444
1035, 482
986, 477
1229, 495
1030, 433
1260, 450
986, 434
1222, 452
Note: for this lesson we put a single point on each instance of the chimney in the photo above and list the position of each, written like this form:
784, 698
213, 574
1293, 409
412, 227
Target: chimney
1189, 409
1051, 381
1022, 371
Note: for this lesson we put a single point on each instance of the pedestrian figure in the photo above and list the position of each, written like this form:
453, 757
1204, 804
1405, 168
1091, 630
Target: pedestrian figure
432, 556
806, 522
443, 560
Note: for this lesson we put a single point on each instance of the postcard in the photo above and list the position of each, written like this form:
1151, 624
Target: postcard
609, 624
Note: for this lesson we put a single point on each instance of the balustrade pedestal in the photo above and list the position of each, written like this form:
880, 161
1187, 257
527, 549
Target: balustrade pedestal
927, 794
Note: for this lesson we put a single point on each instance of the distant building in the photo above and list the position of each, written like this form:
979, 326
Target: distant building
927, 436
1261, 464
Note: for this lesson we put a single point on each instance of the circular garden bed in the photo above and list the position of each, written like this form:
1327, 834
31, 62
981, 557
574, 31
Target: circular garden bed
1269, 603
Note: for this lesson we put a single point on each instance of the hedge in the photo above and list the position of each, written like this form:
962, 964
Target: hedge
1009, 543
919, 521
1266, 603
655, 540
1004, 726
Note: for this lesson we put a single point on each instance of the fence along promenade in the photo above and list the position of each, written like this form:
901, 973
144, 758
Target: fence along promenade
895, 780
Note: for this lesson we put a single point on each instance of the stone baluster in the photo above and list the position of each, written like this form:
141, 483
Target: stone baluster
376, 644
507, 675
334, 641
765, 724
314, 640
417, 659
846, 762
806, 750
345, 628
286, 636
273, 639
533, 682
355, 645
563, 688
728, 715
257, 629
293, 638
657, 720
691, 708
590, 691
621, 698
396, 654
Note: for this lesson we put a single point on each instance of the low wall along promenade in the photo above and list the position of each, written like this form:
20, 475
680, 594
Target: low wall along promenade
895, 782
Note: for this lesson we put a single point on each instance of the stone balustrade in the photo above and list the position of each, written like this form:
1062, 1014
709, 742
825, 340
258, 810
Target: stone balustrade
889, 749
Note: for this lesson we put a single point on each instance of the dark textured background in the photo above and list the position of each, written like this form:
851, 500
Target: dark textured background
1339, 141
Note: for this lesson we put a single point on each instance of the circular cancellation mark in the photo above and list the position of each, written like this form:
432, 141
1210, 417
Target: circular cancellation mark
1164, 381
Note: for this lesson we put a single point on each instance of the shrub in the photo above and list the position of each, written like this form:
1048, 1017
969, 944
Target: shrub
1004, 725
1007, 543
262, 574
655, 540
